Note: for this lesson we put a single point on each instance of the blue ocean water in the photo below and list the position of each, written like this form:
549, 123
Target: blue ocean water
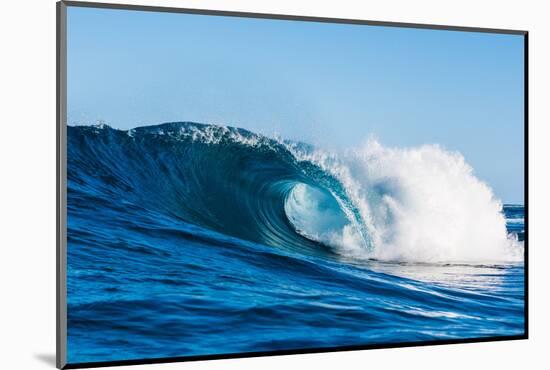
188, 239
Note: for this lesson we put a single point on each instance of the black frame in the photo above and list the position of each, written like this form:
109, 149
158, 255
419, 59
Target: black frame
61, 262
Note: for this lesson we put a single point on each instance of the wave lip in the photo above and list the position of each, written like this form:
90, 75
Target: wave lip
417, 204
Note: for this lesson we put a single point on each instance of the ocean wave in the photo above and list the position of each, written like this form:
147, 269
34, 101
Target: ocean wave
416, 204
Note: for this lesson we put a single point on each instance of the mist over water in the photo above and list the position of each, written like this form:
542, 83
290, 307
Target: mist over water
416, 204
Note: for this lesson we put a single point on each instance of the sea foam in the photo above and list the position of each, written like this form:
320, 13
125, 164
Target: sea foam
421, 204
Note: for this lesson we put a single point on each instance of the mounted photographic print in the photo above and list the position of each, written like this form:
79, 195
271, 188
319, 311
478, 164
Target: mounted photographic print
237, 184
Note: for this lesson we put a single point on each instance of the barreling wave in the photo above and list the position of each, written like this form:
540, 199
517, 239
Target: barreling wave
422, 204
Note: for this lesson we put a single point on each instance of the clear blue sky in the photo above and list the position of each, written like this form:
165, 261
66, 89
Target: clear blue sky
328, 84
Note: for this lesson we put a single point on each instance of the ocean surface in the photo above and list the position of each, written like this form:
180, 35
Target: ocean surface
187, 239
